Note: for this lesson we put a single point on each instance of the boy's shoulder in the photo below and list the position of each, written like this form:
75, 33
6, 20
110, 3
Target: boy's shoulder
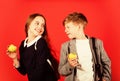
66, 43
98, 40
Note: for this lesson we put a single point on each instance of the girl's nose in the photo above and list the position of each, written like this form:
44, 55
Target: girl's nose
38, 27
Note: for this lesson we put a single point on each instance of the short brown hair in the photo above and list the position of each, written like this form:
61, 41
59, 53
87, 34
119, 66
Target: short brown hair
76, 18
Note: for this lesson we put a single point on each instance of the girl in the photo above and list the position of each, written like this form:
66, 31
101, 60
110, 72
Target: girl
35, 57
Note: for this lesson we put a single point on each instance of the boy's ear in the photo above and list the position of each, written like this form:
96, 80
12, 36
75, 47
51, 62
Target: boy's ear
81, 25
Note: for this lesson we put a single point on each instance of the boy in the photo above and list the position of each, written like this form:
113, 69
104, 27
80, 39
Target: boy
92, 62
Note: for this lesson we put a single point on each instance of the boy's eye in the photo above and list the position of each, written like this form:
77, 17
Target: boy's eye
67, 27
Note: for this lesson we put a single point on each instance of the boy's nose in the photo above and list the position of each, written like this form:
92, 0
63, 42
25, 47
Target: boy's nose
66, 30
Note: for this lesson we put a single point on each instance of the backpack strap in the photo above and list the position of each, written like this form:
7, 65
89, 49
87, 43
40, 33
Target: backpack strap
97, 65
94, 48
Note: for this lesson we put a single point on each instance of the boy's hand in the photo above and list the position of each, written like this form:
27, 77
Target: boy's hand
72, 59
73, 62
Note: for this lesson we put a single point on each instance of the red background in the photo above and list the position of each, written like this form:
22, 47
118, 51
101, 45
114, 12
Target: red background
103, 17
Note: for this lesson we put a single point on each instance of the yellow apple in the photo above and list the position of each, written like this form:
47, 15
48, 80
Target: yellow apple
72, 56
12, 48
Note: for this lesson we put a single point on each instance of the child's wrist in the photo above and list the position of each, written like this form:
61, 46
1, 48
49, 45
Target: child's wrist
16, 63
15, 59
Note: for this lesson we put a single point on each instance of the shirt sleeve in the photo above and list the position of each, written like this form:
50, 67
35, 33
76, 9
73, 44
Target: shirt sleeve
105, 61
21, 69
64, 67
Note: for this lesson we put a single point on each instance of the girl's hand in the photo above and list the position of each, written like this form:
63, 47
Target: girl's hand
11, 51
12, 55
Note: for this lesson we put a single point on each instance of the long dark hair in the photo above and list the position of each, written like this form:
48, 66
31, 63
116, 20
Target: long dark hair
30, 19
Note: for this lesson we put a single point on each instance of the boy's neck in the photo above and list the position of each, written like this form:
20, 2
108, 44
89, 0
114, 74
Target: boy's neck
81, 35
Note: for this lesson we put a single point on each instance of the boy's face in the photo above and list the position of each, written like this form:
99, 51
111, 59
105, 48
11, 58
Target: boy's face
71, 29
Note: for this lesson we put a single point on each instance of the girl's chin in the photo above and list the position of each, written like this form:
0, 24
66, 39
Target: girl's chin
37, 34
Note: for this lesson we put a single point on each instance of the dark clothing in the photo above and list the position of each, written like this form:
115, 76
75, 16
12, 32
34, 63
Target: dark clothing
33, 62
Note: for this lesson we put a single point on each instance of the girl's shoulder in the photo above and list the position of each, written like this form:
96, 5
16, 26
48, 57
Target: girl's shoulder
41, 41
22, 43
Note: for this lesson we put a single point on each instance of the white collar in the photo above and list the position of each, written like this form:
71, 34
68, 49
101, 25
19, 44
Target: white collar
32, 42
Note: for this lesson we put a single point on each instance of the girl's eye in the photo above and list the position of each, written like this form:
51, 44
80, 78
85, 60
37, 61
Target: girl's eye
37, 23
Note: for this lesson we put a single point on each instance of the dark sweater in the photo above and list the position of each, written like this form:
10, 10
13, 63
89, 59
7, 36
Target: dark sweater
33, 62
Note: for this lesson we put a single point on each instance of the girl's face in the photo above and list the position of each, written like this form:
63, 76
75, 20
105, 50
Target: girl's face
71, 29
37, 26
